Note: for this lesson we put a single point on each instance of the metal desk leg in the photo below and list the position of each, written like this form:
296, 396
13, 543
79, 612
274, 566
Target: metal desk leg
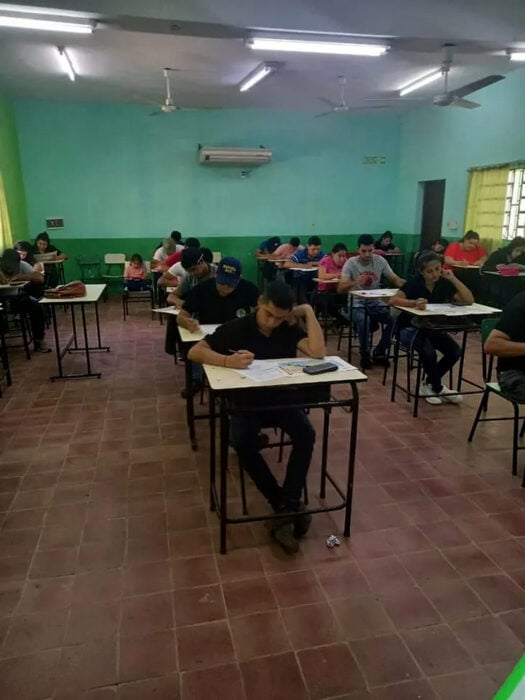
223, 500
324, 451
86, 341
396, 364
462, 360
190, 415
74, 326
97, 319
57, 342
213, 447
350, 315
351, 460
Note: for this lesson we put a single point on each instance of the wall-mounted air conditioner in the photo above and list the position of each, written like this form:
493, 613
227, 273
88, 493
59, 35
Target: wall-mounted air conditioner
252, 156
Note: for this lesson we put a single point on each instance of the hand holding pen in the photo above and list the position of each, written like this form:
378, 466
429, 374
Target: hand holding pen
239, 359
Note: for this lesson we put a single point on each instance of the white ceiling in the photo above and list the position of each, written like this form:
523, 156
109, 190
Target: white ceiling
134, 40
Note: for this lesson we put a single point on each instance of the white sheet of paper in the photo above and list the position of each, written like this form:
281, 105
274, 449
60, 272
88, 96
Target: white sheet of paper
450, 309
262, 371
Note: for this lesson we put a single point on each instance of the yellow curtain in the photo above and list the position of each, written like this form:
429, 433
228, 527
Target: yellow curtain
486, 204
6, 239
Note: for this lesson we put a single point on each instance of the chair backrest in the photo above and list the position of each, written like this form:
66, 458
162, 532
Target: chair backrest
487, 326
114, 258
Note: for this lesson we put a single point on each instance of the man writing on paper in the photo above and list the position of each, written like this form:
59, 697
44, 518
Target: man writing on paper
218, 300
276, 330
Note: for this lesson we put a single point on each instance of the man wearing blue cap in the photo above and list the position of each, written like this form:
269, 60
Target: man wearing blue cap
218, 300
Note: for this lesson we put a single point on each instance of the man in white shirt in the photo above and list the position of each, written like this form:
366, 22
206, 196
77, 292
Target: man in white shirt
365, 271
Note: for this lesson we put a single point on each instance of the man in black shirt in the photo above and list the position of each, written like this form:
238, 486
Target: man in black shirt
216, 301
507, 342
274, 331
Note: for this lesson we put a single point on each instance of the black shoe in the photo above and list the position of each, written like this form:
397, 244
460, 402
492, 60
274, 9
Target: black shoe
366, 361
381, 360
302, 523
282, 531
195, 388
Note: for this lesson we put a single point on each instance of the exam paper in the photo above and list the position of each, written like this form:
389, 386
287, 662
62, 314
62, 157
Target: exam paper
262, 371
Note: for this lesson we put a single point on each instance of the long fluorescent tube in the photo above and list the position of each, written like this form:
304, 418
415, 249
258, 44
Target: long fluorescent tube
420, 82
66, 63
305, 46
256, 76
517, 56
45, 24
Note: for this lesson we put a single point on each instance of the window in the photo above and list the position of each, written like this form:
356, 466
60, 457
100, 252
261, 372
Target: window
514, 215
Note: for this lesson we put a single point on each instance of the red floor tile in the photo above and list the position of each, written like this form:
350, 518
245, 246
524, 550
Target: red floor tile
161, 688
488, 640
212, 683
361, 617
282, 669
498, 592
201, 646
437, 651
259, 634
295, 588
384, 660
252, 595
469, 685
408, 609
330, 671
202, 604
146, 656
311, 625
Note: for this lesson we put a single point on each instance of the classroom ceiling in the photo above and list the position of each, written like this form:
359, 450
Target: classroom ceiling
122, 60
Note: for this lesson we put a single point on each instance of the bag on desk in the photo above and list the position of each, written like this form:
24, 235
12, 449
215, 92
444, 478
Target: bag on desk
70, 290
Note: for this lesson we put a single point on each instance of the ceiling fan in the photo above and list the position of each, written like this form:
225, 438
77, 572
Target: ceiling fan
453, 98
167, 107
342, 106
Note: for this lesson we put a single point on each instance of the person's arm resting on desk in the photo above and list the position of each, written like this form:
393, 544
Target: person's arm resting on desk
36, 277
185, 320
202, 353
500, 344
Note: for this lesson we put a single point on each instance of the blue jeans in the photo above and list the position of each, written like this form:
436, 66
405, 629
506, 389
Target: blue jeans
244, 431
375, 311
427, 343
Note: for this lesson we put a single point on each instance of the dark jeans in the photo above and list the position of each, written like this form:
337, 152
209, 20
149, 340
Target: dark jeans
427, 343
137, 285
244, 430
512, 382
375, 311
29, 306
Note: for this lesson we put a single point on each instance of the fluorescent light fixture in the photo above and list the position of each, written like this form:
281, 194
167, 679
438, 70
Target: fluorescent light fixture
306, 46
420, 82
517, 55
65, 62
256, 76
45, 24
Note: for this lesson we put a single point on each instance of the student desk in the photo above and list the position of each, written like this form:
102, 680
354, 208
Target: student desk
59, 266
225, 382
366, 295
8, 292
449, 311
93, 294
188, 339
493, 280
4, 357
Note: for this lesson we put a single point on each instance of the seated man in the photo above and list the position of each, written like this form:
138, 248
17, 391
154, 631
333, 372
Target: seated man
507, 342
307, 259
198, 269
216, 301
365, 271
12, 269
275, 330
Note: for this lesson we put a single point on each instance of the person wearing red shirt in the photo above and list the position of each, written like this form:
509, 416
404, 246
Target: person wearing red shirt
467, 251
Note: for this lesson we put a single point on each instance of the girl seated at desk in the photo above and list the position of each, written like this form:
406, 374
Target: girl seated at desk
25, 250
433, 285
385, 245
43, 245
136, 275
465, 252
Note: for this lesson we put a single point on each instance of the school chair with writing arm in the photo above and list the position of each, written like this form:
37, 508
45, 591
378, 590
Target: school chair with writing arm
487, 326
143, 295
114, 270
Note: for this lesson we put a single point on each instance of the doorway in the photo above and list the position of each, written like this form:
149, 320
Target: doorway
433, 198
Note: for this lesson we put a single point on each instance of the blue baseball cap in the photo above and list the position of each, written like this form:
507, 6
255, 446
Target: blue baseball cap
229, 272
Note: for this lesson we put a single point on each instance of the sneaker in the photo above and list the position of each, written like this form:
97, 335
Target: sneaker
196, 387
366, 361
282, 531
381, 360
450, 396
426, 391
42, 346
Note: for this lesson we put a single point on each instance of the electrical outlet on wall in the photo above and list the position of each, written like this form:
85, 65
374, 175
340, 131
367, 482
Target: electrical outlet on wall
452, 225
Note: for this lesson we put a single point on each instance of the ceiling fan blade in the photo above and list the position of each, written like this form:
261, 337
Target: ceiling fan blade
477, 85
328, 102
467, 104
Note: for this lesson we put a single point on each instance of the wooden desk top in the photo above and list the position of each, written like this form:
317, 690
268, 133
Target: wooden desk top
451, 310
93, 294
168, 310
373, 293
466, 267
224, 378
206, 328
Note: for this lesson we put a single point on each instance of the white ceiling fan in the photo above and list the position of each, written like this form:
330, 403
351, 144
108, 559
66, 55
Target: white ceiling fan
167, 107
342, 105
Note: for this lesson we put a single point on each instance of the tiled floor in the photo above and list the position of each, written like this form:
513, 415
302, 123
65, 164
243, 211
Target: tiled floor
111, 585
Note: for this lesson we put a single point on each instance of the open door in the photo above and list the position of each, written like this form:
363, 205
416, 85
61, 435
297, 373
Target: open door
433, 198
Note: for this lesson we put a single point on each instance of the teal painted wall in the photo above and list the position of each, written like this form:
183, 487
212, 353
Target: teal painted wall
113, 172
443, 142
10, 169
